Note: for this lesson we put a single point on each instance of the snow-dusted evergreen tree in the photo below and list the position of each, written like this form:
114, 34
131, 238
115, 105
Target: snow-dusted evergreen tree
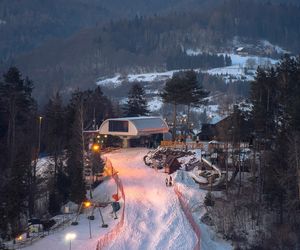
137, 103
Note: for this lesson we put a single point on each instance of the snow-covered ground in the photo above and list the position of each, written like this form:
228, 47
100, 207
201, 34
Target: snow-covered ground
155, 103
195, 197
118, 79
82, 241
236, 71
153, 217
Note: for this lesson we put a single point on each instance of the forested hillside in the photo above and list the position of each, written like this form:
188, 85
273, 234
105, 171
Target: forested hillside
27, 24
149, 43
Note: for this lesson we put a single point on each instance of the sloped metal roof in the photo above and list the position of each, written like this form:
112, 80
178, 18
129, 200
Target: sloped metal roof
146, 124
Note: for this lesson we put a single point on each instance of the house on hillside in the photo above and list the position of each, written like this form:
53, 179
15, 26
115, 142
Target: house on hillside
225, 130
242, 51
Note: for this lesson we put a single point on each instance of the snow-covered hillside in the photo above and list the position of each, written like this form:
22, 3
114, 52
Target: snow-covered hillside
238, 71
243, 68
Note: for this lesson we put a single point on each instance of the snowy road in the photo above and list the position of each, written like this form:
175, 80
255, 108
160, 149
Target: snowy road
153, 217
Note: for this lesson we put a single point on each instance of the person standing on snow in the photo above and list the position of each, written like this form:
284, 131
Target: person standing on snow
170, 181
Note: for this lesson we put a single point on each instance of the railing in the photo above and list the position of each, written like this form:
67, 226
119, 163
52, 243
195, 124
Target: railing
187, 211
105, 240
181, 145
29, 241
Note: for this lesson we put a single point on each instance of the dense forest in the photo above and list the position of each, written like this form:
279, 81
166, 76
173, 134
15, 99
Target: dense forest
27, 133
267, 201
41, 21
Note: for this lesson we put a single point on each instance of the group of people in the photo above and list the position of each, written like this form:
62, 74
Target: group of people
169, 181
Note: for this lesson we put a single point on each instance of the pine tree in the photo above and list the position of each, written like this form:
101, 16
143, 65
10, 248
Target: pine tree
174, 93
75, 158
55, 129
136, 104
195, 93
97, 164
55, 143
17, 110
275, 98
228, 61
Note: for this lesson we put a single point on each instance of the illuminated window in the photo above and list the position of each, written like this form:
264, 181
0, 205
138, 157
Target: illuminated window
118, 126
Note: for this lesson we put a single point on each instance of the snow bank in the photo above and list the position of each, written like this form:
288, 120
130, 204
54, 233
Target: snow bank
195, 197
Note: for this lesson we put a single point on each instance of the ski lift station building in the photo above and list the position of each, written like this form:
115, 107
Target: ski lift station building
134, 127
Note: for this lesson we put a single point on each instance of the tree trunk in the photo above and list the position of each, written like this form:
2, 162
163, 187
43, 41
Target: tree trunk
11, 134
174, 122
187, 122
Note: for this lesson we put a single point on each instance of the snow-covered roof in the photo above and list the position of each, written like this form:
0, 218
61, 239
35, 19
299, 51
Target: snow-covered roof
134, 126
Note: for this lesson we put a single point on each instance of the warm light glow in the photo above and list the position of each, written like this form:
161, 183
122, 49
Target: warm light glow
105, 136
20, 237
70, 236
87, 204
40, 118
98, 136
96, 147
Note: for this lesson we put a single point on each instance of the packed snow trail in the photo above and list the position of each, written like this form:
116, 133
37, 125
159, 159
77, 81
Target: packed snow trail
153, 216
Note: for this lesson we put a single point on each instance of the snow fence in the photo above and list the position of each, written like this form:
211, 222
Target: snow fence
187, 211
105, 240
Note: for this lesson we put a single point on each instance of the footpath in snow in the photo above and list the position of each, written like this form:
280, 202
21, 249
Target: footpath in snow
153, 216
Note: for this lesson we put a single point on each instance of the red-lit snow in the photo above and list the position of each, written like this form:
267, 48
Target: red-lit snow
153, 216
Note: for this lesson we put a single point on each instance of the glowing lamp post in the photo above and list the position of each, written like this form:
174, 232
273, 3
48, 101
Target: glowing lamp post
96, 147
70, 237
88, 204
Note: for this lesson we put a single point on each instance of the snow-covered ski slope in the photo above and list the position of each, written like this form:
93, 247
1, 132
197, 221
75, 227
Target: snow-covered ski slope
153, 217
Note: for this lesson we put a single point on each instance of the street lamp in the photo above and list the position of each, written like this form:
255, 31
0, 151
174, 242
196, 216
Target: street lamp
88, 204
96, 147
70, 237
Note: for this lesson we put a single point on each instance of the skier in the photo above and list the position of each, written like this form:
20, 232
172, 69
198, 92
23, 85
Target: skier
170, 181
